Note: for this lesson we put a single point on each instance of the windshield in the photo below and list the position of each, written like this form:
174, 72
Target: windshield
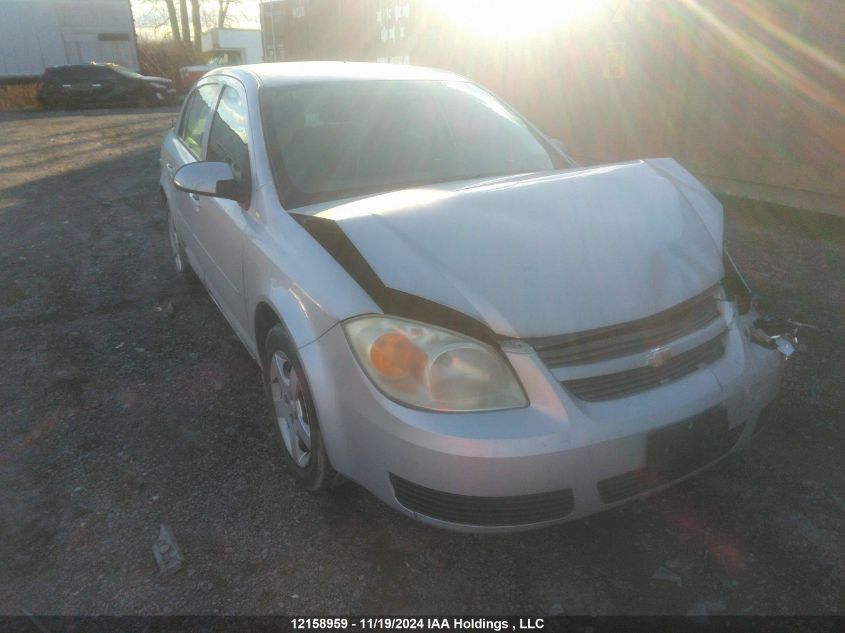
328, 141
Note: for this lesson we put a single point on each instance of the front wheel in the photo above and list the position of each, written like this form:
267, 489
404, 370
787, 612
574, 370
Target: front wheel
180, 259
294, 413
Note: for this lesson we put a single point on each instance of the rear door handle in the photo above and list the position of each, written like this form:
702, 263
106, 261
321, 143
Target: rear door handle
169, 167
194, 197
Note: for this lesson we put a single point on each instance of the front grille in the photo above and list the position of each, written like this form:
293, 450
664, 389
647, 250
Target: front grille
628, 338
523, 509
635, 482
631, 381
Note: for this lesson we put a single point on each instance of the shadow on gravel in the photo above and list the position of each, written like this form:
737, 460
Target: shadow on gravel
69, 241
87, 112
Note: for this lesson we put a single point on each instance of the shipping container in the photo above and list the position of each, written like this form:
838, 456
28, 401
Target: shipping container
296, 30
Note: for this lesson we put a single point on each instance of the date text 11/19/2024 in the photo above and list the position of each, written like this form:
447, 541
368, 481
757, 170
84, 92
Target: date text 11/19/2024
420, 624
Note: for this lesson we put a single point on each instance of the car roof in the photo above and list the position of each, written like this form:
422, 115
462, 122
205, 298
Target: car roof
289, 73
85, 65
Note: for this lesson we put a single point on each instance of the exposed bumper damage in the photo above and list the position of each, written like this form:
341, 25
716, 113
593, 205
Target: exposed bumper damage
559, 459
774, 333
769, 331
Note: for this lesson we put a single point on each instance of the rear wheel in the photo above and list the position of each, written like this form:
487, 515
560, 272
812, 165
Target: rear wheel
295, 416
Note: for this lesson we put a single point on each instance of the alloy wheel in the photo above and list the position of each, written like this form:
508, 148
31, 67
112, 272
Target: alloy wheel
289, 407
175, 245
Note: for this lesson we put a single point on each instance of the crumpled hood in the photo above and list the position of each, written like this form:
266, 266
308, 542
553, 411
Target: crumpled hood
546, 254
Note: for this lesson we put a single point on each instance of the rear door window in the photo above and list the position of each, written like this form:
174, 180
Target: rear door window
100, 73
71, 75
192, 125
87, 74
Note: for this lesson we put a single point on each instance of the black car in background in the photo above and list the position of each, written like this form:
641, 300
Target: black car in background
95, 84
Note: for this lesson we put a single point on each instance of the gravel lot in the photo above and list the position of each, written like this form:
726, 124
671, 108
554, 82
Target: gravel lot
118, 414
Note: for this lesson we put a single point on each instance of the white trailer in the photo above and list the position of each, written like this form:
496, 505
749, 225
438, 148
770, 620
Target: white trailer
37, 34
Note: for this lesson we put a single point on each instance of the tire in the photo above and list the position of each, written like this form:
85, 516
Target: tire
294, 415
177, 249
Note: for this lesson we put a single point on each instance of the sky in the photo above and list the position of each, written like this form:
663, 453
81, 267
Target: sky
499, 19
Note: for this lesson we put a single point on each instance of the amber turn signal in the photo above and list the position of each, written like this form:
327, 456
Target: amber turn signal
396, 358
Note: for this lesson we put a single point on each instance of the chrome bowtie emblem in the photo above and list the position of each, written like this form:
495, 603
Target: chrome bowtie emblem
658, 357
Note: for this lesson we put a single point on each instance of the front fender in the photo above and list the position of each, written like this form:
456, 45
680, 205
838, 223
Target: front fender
288, 271
304, 321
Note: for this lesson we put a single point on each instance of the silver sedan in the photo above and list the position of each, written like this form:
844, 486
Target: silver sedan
446, 309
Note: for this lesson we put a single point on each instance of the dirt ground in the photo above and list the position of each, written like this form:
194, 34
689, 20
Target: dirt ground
118, 413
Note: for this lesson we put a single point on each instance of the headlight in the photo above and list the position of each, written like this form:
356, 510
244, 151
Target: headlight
427, 367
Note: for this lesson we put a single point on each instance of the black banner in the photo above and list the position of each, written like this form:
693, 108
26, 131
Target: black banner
524, 624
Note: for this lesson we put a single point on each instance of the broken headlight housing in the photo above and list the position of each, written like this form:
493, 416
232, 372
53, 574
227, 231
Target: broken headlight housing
736, 288
768, 331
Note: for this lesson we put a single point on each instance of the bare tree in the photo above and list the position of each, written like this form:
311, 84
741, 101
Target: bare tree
222, 12
177, 19
196, 19
154, 17
183, 17
174, 21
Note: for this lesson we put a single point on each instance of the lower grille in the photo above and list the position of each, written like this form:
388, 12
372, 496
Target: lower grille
643, 378
635, 482
517, 510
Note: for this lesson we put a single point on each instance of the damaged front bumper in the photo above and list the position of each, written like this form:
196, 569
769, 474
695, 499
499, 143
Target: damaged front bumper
558, 459
774, 333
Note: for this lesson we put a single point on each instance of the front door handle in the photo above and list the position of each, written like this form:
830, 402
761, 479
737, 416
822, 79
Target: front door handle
194, 197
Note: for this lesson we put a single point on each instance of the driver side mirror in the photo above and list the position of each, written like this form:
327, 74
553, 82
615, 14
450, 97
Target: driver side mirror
208, 178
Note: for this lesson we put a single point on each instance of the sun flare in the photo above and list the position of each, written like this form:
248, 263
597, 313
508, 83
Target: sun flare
516, 19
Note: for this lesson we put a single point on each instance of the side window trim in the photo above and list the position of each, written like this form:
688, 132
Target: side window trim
236, 84
206, 135
183, 117
180, 122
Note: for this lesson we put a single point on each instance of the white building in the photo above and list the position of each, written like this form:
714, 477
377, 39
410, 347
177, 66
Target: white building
232, 47
36, 34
